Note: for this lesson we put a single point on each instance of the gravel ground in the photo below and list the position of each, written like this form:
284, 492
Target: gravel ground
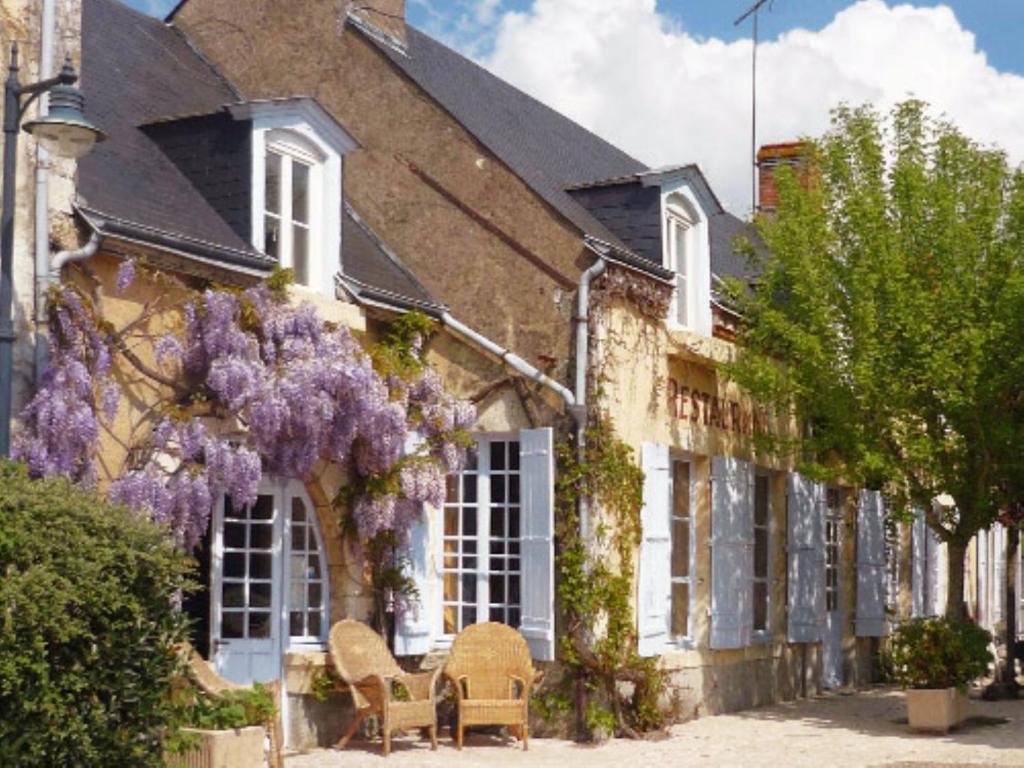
864, 729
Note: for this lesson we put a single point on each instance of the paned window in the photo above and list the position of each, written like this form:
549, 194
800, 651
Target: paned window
248, 583
682, 537
306, 577
680, 231
481, 569
833, 520
762, 545
286, 218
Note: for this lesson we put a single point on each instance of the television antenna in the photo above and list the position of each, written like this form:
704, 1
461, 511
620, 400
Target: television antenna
753, 11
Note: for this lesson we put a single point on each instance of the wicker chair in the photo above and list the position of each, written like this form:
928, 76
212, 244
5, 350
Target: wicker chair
367, 667
212, 684
489, 666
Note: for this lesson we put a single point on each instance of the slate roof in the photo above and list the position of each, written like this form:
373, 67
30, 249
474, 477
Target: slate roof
547, 150
135, 70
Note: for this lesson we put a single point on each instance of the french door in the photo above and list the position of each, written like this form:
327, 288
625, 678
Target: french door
832, 650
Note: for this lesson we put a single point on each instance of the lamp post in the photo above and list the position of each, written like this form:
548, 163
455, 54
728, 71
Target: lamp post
65, 132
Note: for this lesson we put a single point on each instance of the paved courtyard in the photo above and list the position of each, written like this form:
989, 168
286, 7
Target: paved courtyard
866, 729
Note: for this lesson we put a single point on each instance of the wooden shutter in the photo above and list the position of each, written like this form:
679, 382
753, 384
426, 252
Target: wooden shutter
537, 482
805, 512
654, 577
732, 553
918, 565
934, 581
871, 580
413, 633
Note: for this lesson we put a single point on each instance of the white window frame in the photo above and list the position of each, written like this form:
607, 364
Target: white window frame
291, 148
679, 204
688, 640
763, 635
483, 535
295, 488
834, 521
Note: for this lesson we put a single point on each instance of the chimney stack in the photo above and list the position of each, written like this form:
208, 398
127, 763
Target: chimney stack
387, 17
770, 157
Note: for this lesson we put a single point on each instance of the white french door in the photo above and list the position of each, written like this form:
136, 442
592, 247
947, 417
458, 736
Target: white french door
269, 590
832, 642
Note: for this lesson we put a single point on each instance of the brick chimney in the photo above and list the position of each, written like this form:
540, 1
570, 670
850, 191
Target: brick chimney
385, 16
770, 157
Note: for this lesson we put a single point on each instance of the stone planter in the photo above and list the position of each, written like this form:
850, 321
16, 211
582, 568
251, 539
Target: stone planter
936, 710
240, 748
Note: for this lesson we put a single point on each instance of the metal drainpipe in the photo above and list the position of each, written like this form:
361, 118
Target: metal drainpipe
79, 254
42, 201
582, 353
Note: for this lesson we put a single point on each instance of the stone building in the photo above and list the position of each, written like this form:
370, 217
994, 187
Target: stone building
392, 174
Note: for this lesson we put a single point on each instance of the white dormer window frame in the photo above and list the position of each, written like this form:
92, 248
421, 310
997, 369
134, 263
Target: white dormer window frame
298, 134
686, 250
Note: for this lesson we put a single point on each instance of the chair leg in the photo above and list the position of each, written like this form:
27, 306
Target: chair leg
526, 737
433, 736
458, 735
387, 742
356, 722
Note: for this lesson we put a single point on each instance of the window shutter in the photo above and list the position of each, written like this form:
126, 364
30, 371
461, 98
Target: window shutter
413, 628
732, 553
933, 582
654, 579
918, 564
805, 512
871, 583
537, 480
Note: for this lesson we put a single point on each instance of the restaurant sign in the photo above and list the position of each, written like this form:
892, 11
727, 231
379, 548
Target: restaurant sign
698, 407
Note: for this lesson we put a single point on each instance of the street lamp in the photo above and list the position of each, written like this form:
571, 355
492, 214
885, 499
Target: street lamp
66, 133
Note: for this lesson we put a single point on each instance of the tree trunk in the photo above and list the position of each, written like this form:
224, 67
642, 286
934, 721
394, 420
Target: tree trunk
1008, 675
956, 551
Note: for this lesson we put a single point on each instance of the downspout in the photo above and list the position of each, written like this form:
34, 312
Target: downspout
78, 254
42, 201
582, 353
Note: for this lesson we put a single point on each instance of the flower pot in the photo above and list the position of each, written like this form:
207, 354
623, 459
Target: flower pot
936, 710
239, 748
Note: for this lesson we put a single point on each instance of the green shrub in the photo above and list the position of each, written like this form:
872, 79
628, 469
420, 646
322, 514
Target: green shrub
86, 625
938, 653
232, 709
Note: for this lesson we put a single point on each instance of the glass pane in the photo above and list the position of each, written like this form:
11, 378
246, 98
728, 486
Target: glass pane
261, 536
272, 236
497, 547
449, 620
513, 547
264, 509
295, 628
472, 458
451, 586
497, 588
497, 524
234, 565
761, 553
498, 489
469, 489
300, 254
469, 587
297, 594
498, 455
499, 613
231, 512
234, 595
680, 548
451, 522
259, 624
300, 192
314, 567
234, 535
259, 595
298, 566
513, 522
761, 501
314, 623
232, 624
680, 610
681, 489
513, 564
513, 455
513, 488
513, 589
272, 187
468, 615
298, 509
760, 605
513, 617
451, 489
314, 596
469, 545
469, 521
469, 562
260, 565
298, 538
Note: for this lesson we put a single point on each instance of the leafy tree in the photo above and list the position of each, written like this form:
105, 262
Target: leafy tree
889, 315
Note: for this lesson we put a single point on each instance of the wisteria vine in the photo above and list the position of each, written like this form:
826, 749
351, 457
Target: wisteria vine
262, 385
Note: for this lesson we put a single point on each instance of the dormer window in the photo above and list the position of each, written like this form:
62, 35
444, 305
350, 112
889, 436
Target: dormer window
686, 251
297, 151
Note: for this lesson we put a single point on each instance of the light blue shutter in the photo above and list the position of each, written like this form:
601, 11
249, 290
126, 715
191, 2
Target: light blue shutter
654, 577
933, 594
805, 512
732, 553
919, 565
871, 581
537, 493
413, 629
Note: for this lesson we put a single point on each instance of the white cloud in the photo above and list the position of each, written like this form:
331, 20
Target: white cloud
640, 80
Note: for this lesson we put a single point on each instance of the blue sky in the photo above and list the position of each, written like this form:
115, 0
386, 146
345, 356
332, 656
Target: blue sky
996, 23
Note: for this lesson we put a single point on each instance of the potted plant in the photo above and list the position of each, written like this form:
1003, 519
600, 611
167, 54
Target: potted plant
225, 731
935, 659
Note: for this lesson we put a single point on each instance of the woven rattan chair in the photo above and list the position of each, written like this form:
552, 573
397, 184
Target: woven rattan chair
365, 664
490, 669
212, 684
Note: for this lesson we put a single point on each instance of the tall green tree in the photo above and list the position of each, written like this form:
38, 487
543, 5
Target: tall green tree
889, 313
